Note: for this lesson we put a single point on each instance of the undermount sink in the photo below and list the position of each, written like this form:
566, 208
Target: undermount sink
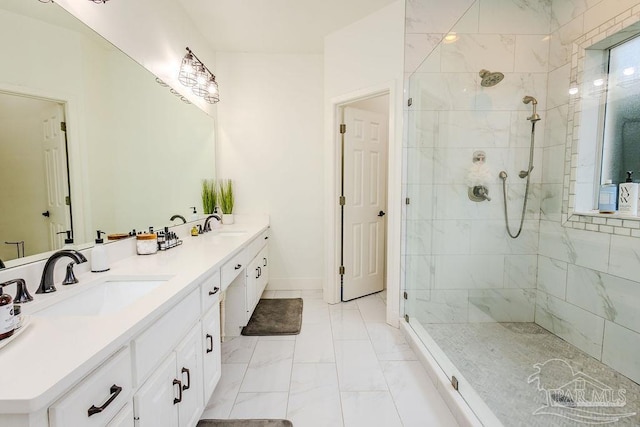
103, 298
231, 233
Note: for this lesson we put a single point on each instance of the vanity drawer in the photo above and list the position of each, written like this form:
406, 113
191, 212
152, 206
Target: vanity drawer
257, 244
232, 268
210, 291
155, 343
102, 394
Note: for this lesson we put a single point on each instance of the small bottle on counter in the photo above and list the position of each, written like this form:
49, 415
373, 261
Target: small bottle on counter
628, 196
146, 243
7, 320
608, 197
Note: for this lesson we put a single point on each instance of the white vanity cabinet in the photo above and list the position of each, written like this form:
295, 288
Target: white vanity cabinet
257, 271
158, 361
173, 395
244, 291
257, 279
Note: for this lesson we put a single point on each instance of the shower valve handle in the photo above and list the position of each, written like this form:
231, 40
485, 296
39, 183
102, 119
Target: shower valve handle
482, 192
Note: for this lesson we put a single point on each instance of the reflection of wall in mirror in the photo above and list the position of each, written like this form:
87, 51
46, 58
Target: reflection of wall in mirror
137, 153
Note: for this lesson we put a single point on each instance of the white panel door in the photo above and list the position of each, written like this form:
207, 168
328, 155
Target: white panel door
211, 361
189, 363
365, 189
54, 150
156, 403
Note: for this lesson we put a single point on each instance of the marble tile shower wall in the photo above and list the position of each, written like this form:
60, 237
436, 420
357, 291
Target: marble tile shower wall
460, 262
588, 289
581, 284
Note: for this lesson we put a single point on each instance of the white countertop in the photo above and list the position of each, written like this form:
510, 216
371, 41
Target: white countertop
54, 353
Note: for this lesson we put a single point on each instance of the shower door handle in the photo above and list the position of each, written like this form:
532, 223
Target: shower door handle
381, 213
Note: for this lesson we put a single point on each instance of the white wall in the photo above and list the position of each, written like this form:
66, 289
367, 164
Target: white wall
270, 144
364, 58
588, 284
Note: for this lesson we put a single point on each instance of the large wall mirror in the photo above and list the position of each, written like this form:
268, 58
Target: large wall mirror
132, 154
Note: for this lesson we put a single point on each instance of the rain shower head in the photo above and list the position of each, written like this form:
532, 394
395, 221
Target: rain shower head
490, 79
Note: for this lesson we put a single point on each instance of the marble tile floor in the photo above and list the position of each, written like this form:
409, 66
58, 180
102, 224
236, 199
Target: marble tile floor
498, 359
347, 368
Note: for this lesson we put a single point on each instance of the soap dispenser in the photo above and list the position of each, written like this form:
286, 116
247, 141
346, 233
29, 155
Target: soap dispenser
194, 214
99, 261
628, 196
68, 242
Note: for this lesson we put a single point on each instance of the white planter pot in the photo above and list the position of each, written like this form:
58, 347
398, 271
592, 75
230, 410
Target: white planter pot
227, 219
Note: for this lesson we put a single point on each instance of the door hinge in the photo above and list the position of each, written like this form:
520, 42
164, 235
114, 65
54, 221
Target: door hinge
454, 382
406, 318
341, 270
343, 128
406, 295
407, 201
343, 201
67, 200
63, 126
409, 102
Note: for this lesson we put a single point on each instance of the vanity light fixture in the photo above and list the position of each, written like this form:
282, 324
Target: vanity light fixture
195, 75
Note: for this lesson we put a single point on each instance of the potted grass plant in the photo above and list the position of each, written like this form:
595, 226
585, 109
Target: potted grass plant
209, 196
226, 201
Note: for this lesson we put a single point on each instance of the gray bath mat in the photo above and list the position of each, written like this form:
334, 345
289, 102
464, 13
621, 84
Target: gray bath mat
275, 316
244, 423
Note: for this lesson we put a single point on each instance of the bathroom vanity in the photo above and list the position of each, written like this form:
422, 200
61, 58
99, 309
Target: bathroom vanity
138, 345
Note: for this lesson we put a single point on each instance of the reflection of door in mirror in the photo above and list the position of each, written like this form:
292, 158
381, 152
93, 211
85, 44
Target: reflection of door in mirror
34, 173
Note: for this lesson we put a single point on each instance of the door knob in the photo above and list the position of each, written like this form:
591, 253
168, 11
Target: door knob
47, 214
382, 213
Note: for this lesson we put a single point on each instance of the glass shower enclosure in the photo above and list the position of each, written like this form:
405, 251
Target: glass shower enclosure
471, 288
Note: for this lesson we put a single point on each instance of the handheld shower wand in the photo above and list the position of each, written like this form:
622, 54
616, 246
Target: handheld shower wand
534, 117
523, 174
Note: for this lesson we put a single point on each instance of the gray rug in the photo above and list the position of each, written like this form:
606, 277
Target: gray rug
275, 316
244, 423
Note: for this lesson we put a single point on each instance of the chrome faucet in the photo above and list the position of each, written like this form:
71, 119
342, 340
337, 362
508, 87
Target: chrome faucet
184, 221
46, 282
207, 226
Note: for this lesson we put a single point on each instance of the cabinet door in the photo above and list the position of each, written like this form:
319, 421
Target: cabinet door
211, 350
253, 273
156, 403
189, 363
263, 280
